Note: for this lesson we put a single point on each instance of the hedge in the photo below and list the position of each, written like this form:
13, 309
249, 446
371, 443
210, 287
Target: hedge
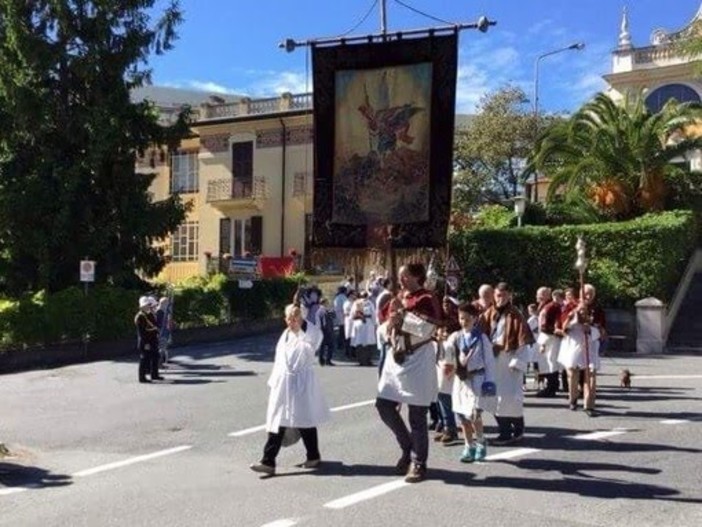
107, 313
628, 260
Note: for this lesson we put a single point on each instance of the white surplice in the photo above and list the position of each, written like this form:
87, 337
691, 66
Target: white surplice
296, 399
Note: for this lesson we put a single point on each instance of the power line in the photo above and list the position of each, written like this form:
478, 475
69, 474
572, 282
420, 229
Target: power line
422, 13
365, 17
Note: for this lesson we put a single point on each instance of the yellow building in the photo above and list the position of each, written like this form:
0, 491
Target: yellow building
248, 172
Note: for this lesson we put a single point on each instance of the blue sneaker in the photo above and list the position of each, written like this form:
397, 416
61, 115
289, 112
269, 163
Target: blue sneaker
468, 455
480, 452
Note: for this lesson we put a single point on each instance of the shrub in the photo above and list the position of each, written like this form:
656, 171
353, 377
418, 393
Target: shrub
628, 260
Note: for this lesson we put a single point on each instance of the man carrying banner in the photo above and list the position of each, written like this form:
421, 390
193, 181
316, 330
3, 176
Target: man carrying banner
409, 373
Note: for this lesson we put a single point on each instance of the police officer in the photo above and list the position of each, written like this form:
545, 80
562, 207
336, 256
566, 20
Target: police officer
147, 339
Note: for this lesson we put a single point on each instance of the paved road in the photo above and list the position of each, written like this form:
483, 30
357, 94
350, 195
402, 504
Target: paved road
94, 448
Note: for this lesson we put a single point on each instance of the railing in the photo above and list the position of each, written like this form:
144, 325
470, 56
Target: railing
226, 189
246, 106
653, 54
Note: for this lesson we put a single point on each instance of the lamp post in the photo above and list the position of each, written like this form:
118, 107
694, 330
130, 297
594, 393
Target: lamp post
519, 208
578, 46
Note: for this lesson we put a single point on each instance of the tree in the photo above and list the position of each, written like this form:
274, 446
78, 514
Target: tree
69, 137
490, 154
619, 155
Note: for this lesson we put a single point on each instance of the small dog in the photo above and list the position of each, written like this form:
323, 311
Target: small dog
625, 379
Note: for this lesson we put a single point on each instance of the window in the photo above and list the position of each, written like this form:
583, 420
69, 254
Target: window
247, 236
662, 95
184, 242
242, 161
184, 172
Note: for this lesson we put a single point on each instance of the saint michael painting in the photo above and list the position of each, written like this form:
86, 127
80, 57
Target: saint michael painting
383, 142
382, 145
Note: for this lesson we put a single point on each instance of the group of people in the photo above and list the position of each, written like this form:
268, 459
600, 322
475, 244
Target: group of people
461, 358
153, 323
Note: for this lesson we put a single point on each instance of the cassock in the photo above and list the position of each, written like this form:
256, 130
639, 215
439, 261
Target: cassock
296, 399
549, 316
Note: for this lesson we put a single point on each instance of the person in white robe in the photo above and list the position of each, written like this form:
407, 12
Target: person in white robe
470, 350
409, 373
363, 339
296, 400
511, 340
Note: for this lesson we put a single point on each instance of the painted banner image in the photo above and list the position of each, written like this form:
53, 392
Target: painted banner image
382, 145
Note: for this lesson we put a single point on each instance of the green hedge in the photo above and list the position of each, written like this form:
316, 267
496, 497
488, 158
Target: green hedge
628, 260
108, 312
105, 313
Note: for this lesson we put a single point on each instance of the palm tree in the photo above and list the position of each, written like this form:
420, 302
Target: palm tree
618, 154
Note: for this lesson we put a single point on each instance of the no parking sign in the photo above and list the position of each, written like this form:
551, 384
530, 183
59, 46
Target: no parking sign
87, 270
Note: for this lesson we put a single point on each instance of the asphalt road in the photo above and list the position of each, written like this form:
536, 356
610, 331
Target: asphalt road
92, 447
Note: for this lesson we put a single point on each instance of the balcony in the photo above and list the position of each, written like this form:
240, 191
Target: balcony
246, 106
231, 193
658, 56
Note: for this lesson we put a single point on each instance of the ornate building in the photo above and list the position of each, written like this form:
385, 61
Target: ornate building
657, 70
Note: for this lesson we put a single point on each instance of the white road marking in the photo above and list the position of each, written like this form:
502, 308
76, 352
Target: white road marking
247, 431
367, 494
675, 421
130, 461
666, 376
254, 429
512, 453
13, 490
281, 523
602, 434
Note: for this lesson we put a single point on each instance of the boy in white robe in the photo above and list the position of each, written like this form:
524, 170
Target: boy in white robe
296, 399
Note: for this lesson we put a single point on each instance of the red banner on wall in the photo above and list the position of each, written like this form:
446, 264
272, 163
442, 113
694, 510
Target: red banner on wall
272, 267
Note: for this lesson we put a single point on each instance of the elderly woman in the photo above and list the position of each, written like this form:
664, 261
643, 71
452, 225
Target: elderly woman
296, 399
409, 372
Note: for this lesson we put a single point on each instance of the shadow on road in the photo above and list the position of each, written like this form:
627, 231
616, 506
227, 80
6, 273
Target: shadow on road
16, 475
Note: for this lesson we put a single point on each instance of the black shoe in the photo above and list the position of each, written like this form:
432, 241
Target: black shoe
146, 381
545, 394
434, 426
403, 464
330, 363
590, 412
573, 406
158, 378
500, 440
416, 473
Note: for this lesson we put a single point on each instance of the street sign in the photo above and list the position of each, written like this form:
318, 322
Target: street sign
242, 266
245, 284
452, 265
87, 270
452, 282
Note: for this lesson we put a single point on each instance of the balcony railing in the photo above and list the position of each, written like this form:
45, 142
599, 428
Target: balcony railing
228, 189
656, 54
245, 106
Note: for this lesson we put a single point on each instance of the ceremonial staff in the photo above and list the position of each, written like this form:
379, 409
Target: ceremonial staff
584, 314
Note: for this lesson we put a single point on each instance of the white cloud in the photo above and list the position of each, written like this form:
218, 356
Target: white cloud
270, 83
210, 87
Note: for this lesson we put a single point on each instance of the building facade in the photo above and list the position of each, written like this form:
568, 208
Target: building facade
247, 170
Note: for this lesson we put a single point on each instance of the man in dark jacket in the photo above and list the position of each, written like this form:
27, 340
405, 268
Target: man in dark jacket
147, 339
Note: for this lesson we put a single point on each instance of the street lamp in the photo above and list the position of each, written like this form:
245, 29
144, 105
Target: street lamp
577, 46
519, 208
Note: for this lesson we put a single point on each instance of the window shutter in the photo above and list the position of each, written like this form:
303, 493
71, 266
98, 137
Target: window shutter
225, 235
257, 234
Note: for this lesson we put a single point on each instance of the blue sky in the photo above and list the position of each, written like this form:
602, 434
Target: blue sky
230, 46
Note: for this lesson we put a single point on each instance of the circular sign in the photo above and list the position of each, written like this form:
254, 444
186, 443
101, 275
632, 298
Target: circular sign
452, 282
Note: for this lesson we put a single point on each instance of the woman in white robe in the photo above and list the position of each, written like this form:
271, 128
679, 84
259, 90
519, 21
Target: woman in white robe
296, 399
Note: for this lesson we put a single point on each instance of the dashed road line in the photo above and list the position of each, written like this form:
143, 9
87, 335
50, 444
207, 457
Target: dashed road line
367, 494
674, 421
667, 376
286, 522
602, 434
130, 461
512, 454
259, 428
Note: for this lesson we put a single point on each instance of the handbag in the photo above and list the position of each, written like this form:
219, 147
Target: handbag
291, 436
488, 389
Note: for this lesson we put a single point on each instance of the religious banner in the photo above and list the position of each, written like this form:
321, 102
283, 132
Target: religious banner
384, 129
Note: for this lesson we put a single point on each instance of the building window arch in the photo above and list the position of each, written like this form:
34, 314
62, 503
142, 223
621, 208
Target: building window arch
680, 92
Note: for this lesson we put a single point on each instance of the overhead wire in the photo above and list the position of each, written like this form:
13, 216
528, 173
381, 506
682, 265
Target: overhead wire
361, 21
424, 14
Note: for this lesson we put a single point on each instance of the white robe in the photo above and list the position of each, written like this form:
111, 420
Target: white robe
467, 394
509, 371
572, 351
412, 382
548, 360
363, 331
296, 399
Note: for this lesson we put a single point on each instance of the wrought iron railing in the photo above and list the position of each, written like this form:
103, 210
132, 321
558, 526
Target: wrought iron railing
227, 189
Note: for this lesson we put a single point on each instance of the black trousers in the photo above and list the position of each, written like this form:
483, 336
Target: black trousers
148, 363
416, 439
275, 441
